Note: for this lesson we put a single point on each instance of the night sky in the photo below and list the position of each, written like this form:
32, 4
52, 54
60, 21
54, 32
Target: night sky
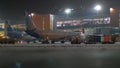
14, 9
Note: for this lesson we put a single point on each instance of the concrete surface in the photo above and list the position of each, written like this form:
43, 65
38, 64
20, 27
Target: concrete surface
59, 56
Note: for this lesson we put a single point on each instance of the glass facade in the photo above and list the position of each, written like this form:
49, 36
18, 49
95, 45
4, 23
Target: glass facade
84, 23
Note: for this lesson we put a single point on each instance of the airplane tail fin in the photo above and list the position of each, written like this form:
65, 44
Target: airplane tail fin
8, 27
28, 22
31, 28
10, 32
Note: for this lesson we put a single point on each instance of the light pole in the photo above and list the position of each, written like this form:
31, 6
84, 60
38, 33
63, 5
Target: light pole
68, 11
98, 8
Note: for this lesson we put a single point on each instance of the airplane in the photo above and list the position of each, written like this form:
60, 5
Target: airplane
12, 33
44, 37
27, 38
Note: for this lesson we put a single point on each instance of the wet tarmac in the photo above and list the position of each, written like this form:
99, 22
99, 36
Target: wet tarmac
60, 57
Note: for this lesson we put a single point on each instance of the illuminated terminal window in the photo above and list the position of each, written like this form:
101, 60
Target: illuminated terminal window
1, 25
83, 22
18, 26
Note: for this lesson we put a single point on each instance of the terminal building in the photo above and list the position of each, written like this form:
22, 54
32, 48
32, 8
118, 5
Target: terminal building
91, 25
115, 17
83, 23
49, 22
103, 24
